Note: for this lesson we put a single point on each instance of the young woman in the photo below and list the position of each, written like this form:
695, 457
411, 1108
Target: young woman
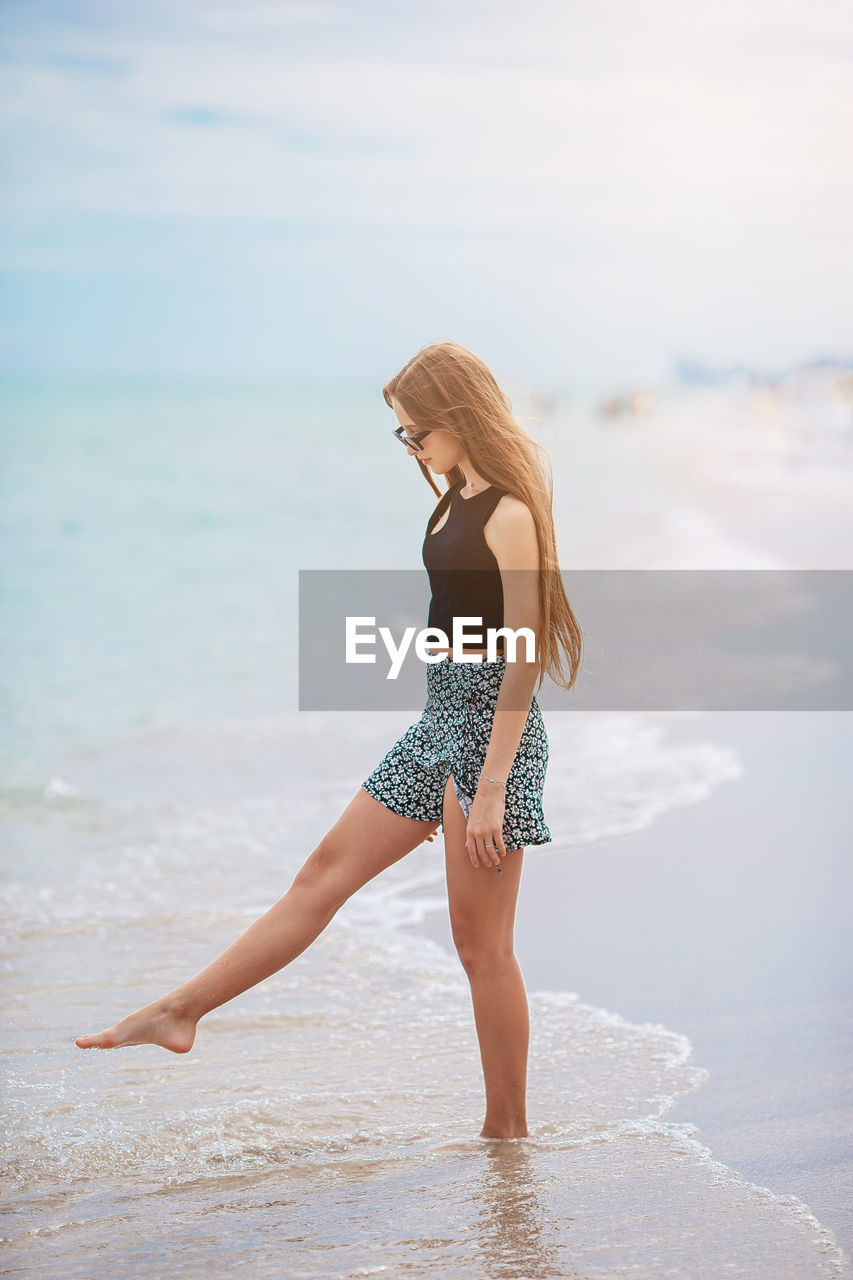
475, 761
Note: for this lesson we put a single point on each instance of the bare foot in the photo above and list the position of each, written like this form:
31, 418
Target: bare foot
163, 1023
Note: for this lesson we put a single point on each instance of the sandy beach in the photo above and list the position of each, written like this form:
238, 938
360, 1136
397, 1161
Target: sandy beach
228, 232
683, 941
726, 920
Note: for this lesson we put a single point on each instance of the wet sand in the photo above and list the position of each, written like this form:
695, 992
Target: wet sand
726, 920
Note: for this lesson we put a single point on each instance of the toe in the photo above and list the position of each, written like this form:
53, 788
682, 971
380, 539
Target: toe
101, 1041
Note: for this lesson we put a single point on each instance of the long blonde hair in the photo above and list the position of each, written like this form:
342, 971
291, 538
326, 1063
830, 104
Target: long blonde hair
446, 386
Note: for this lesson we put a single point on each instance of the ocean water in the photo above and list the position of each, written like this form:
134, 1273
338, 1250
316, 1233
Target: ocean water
159, 790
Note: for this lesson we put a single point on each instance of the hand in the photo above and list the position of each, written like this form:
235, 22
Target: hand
484, 840
432, 834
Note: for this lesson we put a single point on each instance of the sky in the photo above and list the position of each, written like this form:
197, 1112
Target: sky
584, 192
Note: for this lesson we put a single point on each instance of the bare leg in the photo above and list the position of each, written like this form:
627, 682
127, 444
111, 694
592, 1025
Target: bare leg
482, 916
367, 838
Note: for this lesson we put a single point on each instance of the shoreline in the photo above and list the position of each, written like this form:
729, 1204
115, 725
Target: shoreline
704, 923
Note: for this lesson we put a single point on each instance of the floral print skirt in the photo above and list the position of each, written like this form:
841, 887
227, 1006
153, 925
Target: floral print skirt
452, 736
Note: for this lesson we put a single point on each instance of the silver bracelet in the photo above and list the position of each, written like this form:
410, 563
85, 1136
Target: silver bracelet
497, 780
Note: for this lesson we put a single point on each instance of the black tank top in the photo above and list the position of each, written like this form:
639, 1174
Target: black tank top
463, 572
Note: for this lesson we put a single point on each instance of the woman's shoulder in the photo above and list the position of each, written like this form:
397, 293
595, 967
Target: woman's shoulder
510, 531
512, 512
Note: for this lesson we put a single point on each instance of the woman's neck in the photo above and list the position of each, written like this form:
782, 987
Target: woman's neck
472, 483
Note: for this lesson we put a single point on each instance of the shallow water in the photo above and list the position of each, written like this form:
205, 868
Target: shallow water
329, 1116
159, 792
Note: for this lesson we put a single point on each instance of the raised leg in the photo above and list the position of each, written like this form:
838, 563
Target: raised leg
367, 838
482, 917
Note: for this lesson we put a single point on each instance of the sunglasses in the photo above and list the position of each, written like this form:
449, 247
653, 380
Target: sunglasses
413, 440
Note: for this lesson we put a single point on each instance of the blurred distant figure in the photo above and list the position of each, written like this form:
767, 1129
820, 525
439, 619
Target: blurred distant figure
633, 404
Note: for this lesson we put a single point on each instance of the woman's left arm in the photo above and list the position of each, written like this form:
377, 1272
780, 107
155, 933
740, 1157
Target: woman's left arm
512, 537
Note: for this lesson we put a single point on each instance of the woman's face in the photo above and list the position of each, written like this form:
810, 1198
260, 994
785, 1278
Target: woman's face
441, 450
